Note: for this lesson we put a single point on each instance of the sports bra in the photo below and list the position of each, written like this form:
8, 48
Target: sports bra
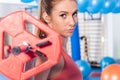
70, 70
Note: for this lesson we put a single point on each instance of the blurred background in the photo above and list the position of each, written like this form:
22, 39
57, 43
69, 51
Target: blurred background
98, 26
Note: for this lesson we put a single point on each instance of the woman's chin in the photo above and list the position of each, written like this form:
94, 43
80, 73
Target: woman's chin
69, 34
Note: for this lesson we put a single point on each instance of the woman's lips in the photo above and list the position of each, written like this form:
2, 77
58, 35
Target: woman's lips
70, 30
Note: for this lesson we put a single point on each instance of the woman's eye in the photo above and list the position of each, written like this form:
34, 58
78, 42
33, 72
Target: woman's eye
63, 15
75, 14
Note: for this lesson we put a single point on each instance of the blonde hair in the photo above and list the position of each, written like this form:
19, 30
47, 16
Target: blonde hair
44, 6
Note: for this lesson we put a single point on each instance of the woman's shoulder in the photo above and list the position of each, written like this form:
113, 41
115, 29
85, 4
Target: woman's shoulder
66, 68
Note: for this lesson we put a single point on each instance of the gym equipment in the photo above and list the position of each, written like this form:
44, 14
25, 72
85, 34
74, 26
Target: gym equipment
117, 7
85, 48
111, 72
75, 44
95, 6
82, 5
26, 46
105, 61
108, 6
98, 6
84, 67
27, 1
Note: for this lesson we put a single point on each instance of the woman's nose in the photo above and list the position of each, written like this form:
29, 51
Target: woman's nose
72, 21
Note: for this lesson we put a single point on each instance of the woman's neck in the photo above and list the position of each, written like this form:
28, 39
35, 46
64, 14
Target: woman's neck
64, 43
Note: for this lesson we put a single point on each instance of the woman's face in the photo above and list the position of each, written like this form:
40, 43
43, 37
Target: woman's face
64, 17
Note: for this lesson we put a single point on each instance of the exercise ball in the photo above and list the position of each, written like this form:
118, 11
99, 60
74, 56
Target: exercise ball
105, 61
117, 7
84, 67
111, 72
26, 1
82, 4
108, 6
94, 6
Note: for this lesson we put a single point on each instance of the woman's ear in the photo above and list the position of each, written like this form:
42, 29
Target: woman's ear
46, 17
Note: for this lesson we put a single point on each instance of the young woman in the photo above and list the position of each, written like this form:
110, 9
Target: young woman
61, 16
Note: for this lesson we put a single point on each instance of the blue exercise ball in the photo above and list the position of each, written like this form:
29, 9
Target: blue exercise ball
105, 61
82, 5
84, 67
117, 7
108, 6
95, 6
26, 1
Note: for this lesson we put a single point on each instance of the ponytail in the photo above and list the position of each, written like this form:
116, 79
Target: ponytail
39, 32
